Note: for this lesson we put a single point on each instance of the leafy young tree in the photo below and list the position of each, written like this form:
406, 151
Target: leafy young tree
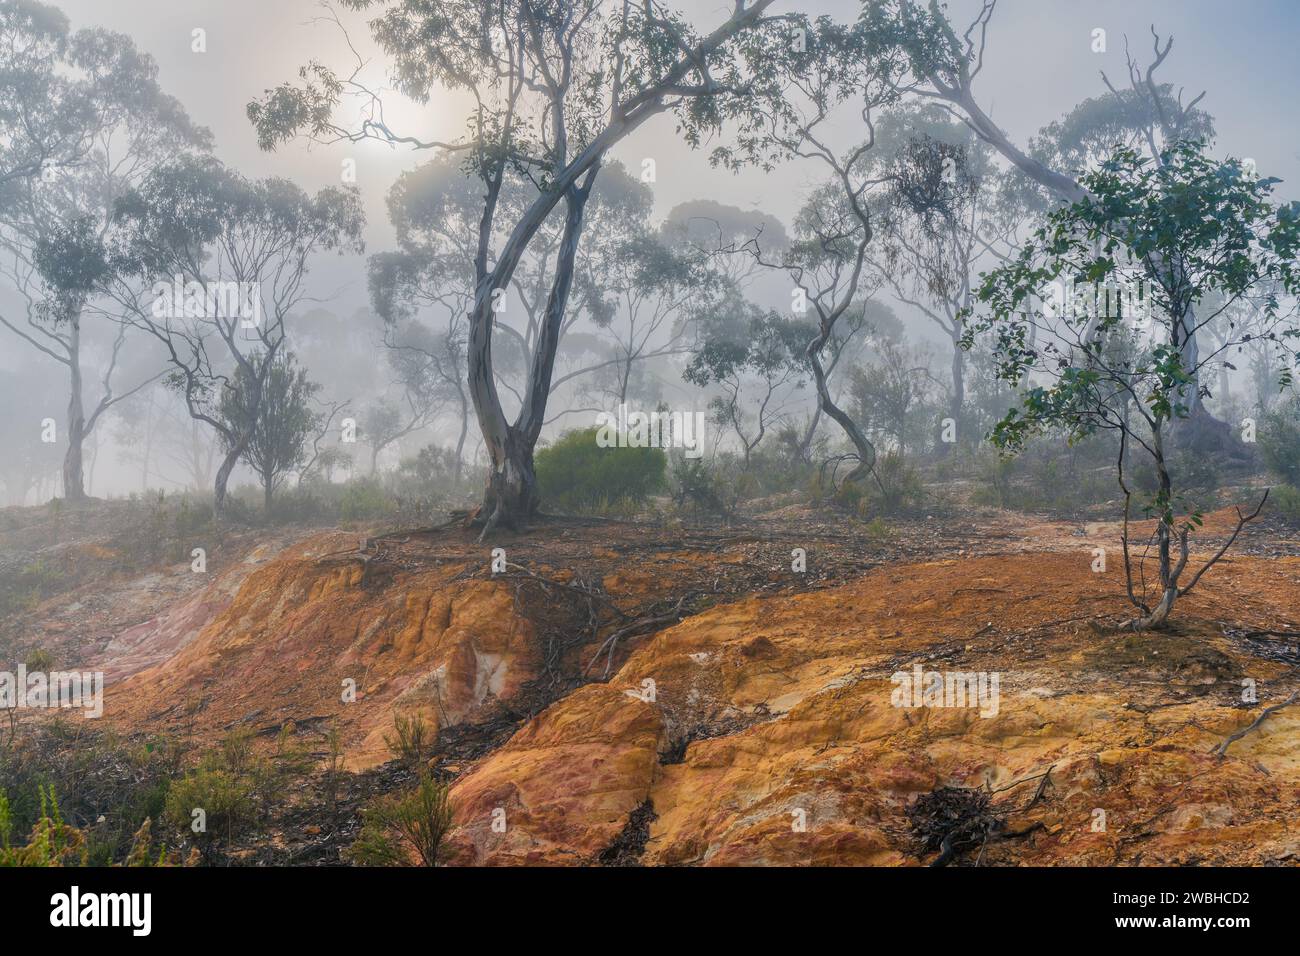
555, 86
1153, 245
273, 407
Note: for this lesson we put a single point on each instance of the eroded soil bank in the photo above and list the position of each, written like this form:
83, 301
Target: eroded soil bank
633, 694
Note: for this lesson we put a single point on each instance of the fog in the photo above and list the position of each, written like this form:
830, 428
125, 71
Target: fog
1038, 64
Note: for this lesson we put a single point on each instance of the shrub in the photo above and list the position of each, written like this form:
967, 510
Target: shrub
95, 774
227, 802
233, 786
894, 488
1279, 441
363, 499
52, 843
410, 740
715, 488
396, 825
576, 473
1285, 500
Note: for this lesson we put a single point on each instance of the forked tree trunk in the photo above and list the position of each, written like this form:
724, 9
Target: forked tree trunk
511, 498
865, 451
1170, 572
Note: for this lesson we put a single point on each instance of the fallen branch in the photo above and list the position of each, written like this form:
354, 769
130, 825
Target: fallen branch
1222, 749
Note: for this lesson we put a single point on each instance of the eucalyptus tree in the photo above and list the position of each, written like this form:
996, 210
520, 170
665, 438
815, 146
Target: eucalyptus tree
645, 294
224, 261
430, 276
1181, 241
82, 121
937, 222
268, 407
46, 111
819, 68
555, 86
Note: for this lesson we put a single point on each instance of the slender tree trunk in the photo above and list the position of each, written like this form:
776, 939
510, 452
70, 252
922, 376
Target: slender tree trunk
957, 400
1169, 571
865, 451
958, 380
464, 431
805, 443
74, 488
148, 445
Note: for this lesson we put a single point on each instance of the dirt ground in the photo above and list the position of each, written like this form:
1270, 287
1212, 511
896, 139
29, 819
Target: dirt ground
659, 694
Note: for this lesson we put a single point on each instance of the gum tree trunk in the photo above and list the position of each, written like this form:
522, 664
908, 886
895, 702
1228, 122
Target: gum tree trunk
511, 498
74, 482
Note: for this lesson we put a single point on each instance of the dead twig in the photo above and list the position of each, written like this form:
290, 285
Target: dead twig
1222, 749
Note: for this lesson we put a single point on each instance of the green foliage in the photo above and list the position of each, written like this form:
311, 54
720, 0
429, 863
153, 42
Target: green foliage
701, 487
894, 488
28, 585
226, 799
410, 741
1278, 435
398, 825
96, 774
1193, 231
234, 786
576, 473
363, 499
1285, 501
53, 842
270, 402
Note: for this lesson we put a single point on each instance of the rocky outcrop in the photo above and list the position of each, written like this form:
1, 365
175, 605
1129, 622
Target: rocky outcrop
779, 739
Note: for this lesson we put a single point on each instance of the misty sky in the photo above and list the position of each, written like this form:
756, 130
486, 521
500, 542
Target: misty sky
1039, 64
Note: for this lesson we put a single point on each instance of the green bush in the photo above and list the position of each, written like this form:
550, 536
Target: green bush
702, 488
364, 499
1279, 441
107, 785
226, 799
410, 740
1285, 500
396, 825
895, 489
576, 473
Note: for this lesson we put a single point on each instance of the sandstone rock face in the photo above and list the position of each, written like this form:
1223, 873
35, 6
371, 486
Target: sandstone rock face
564, 786
773, 736
303, 631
